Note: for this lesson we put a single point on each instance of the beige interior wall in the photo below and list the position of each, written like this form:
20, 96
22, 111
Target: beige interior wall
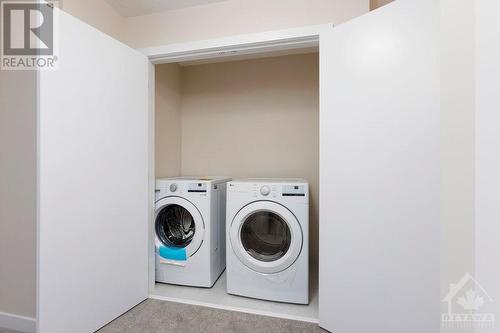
168, 120
374, 4
99, 14
18, 192
236, 17
220, 19
251, 118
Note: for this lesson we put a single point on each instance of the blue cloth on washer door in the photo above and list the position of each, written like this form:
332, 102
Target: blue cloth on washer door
173, 253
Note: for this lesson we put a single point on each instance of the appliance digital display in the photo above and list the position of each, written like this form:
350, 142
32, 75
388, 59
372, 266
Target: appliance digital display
293, 191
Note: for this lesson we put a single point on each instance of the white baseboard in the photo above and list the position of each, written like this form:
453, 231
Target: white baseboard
17, 323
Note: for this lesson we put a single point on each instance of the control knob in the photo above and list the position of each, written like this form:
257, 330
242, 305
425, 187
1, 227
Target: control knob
265, 190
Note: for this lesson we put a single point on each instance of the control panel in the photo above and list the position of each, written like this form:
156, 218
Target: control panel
272, 190
293, 191
197, 187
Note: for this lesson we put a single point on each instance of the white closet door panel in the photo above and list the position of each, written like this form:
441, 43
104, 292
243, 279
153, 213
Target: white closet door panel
379, 167
93, 182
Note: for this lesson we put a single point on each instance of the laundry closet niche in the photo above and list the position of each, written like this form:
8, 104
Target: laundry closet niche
241, 118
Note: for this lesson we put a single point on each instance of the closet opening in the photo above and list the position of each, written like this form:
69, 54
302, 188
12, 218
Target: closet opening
253, 116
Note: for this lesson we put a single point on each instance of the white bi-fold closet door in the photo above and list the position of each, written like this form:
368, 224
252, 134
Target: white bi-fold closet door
93, 182
379, 171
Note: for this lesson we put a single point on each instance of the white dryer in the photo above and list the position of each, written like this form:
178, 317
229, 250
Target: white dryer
267, 238
190, 230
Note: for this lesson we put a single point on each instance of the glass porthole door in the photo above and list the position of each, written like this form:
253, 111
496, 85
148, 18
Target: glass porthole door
179, 228
175, 226
266, 237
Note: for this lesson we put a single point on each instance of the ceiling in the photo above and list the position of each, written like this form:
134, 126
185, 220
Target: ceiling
130, 8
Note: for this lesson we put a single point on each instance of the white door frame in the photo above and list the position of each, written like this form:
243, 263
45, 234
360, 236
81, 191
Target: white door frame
249, 44
256, 43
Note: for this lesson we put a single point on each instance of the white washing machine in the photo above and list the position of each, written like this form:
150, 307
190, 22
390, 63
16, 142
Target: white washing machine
268, 239
190, 244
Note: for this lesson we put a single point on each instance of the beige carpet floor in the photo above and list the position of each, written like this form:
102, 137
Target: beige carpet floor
153, 316
4, 330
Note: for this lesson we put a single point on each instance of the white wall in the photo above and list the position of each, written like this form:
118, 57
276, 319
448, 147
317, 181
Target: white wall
487, 154
17, 192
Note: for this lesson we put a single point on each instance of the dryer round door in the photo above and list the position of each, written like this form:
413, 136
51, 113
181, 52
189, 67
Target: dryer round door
179, 225
266, 237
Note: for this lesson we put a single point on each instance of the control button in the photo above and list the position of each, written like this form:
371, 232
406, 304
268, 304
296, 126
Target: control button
173, 187
265, 190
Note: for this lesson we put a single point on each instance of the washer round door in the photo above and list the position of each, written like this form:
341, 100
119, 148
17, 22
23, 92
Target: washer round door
179, 225
266, 237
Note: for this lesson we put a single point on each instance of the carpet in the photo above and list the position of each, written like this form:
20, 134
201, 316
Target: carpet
152, 316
